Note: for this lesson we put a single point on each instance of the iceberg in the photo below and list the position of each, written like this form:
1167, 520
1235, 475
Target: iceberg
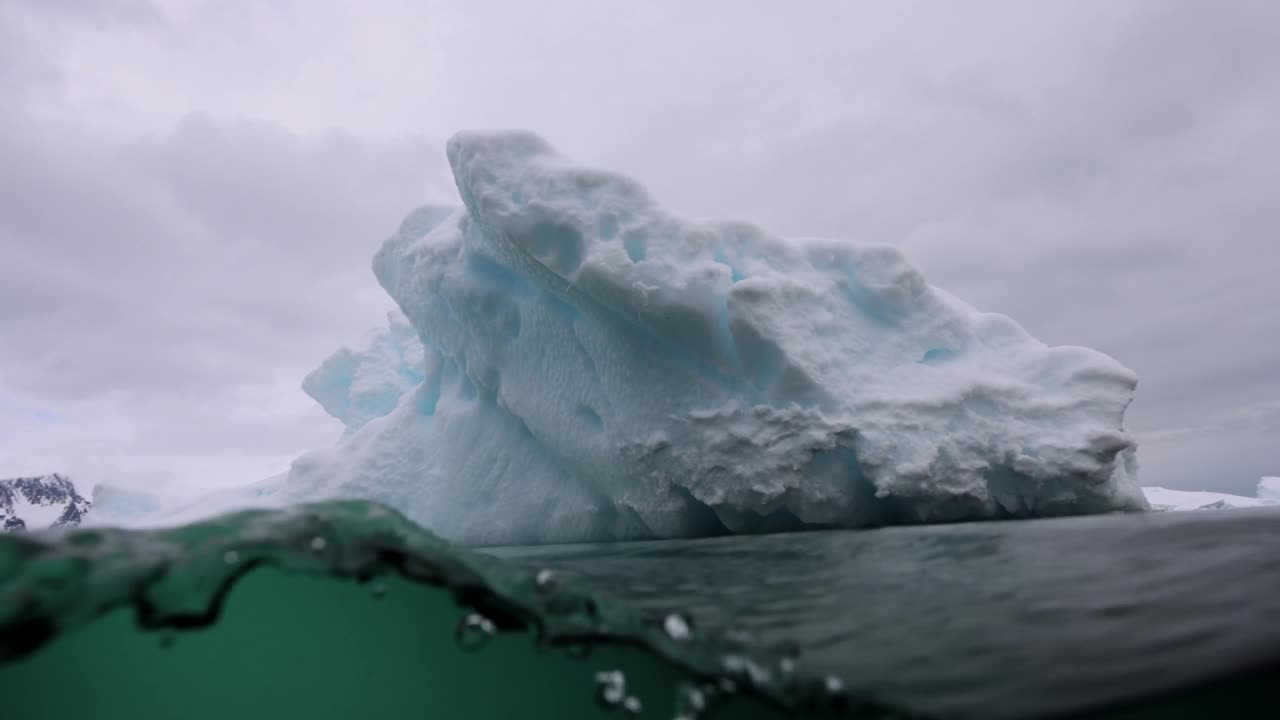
1165, 499
593, 367
1269, 489
114, 505
1268, 495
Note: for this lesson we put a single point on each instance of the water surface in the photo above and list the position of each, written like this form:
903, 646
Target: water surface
349, 610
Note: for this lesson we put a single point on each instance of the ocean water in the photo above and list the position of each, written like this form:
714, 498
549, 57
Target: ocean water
349, 610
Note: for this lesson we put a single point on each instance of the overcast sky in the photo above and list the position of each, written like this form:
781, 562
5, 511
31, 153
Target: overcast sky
191, 191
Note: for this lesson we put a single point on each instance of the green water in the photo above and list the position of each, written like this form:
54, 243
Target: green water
349, 610
296, 646
333, 610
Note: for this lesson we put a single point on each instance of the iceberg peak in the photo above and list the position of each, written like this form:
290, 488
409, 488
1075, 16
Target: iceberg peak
356, 385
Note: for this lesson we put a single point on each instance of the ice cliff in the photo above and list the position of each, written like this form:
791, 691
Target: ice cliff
1269, 489
595, 368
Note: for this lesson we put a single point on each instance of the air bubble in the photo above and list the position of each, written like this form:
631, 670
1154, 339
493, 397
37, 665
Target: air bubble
632, 705
691, 701
545, 580
318, 543
758, 674
833, 684
611, 687
739, 665
379, 590
231, 557
677, 627
474, 631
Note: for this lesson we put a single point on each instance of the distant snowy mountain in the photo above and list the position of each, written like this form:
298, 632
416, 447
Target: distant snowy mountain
44, 501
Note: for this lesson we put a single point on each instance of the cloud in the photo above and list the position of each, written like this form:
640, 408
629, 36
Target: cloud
168, 293
166, 289
216, 251
192, 190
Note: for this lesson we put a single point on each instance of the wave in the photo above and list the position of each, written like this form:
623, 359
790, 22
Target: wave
157, 627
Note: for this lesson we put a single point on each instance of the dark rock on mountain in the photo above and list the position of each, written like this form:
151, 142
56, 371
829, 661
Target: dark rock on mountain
44, 501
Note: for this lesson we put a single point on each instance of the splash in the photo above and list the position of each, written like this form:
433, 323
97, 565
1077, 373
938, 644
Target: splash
179, 581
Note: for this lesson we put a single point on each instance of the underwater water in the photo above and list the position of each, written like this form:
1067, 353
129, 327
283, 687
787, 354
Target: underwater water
349, 610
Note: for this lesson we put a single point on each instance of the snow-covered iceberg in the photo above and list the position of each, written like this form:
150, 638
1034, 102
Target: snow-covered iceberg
1269, 489
114, 505
1178, 500
1268, 495
596, 368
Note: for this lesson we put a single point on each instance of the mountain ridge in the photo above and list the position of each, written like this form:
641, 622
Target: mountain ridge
41, 501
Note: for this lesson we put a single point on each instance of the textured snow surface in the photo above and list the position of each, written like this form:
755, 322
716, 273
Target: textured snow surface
595, 368
356, 385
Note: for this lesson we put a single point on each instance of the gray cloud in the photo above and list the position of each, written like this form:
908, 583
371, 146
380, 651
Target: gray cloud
192, 190
210, 253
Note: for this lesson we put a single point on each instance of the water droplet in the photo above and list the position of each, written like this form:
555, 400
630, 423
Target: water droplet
611, 695
611, 687
740, 665
545, 580
231, 557
677, 627
611, 677
379, 590
318, 543
474, 631
691, 701
758, 674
